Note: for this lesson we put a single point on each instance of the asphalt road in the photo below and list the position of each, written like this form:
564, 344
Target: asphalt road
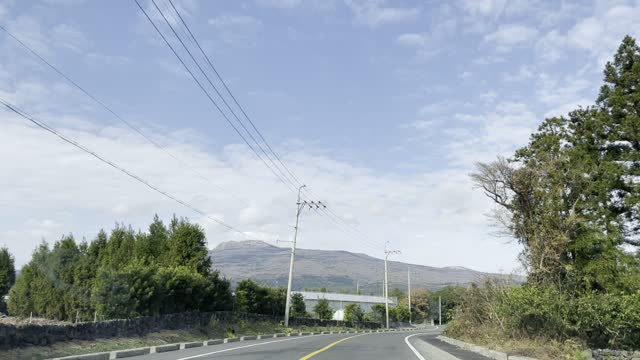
413, 345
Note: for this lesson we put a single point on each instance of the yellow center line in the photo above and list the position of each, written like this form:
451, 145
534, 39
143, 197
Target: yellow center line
310, 355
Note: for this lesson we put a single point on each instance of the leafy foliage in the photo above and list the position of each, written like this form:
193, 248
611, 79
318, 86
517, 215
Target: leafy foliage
122, 274
572, 199
7, 275
298, 307
353, 312
258, 299
572, 195
323, 310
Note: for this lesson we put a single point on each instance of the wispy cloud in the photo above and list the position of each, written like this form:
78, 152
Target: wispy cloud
236, 29
375, 13
507, 36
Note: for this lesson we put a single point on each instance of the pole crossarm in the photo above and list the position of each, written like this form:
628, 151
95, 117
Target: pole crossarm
387, 252
301, 205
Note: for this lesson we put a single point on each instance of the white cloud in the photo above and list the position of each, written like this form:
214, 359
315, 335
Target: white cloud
598, 34
550, 48
4, 11
236, 29
507, 36
62, 190
555, 91
224, 21
465, 75
95, 57
374, 13
281, 4
69, 37
523, 73
492, 8
413, 39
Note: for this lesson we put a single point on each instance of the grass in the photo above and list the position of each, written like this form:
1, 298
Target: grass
542, 349
215, 330
99, 345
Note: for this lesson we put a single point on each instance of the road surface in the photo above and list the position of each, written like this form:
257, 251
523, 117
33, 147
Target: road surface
413, 345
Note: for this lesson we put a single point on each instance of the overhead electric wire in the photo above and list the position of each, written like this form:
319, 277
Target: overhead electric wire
197, 43
116, 115
201, 86
224, 101
213, 68
69, 140
342, 225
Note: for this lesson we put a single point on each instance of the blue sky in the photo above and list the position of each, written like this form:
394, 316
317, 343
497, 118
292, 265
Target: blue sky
381, 107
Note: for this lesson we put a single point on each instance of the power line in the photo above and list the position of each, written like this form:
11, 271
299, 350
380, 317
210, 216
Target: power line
334, 218
195, 40
116, 115
201, 86
69, 140
224, 101
213, 68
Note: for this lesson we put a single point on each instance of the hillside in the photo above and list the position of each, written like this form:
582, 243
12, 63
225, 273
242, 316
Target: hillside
335, 270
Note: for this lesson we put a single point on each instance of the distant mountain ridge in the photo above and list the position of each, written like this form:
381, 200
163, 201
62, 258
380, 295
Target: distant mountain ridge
332, 269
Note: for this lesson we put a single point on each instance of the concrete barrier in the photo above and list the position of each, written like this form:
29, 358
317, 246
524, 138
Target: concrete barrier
94, 356
279, 335
193, 345
165, 348
133, 352
250, 337
214, 342
230, 340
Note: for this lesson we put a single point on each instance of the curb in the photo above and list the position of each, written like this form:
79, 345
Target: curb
492, 354
120, 354
133, 352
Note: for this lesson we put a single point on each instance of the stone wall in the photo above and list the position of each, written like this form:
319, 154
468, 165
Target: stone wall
615, 354
25, 335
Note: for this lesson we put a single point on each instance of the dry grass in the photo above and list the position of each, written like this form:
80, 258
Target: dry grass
213, 331
542, 349
99, 345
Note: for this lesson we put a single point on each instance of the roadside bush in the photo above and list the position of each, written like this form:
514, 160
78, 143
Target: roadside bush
353, 312
323, 310
609, 320
537, 312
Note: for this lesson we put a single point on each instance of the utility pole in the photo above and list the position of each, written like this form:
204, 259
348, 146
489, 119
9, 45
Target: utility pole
409, 291
386, 281
300, 206
439, 310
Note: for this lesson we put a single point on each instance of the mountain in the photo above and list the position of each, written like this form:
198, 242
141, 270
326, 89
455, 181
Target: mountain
334, 270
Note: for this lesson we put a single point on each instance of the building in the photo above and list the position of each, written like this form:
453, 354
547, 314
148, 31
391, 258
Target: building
339, 301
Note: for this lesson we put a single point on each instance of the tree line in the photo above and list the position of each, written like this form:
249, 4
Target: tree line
122, 274
571, 197
167, 269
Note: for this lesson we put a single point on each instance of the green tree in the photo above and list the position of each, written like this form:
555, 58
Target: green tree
353, 312
298, 307
128, 292
377, 313
401, 313
7, 275
150, 246
323, 310
397, 293
187, 246
420, 304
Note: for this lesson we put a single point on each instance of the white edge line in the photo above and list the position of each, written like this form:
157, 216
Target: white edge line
418, 355
247, 346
